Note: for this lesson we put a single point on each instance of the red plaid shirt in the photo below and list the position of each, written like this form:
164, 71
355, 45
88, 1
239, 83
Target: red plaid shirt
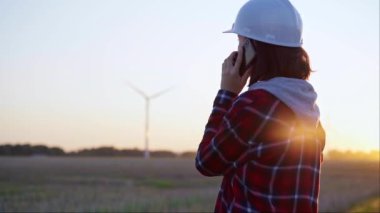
269, 161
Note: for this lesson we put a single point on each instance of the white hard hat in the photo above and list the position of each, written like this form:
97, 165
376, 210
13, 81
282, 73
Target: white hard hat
270, 21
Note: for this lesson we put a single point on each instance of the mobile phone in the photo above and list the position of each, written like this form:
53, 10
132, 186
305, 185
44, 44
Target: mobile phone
248, 55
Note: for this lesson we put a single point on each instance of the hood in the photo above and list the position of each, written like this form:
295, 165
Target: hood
297, 94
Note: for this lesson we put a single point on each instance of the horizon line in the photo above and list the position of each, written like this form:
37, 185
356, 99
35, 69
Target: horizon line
155, 150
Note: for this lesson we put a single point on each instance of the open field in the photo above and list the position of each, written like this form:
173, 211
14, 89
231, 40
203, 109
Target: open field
372, 205
161, 184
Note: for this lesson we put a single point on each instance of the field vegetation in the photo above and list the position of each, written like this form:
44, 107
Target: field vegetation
371, 205
105, 184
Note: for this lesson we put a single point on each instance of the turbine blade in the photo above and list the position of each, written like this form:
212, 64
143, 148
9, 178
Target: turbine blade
136, 89
161, 92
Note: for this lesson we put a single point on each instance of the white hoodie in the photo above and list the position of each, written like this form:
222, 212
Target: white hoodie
297, 94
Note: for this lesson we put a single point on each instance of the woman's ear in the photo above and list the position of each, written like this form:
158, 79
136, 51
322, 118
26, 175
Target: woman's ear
242, 40
254, 44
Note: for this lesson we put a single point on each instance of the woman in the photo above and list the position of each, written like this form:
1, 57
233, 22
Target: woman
267, 142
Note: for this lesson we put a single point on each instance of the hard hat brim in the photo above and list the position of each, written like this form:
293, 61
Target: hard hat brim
229, 31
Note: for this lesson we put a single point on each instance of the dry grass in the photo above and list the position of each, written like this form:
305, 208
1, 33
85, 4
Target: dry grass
372, 205
345, 183
134, 184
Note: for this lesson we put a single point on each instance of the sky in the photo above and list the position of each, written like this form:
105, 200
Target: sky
64, 65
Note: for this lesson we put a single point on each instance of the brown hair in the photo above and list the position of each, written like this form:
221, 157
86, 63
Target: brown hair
278, 61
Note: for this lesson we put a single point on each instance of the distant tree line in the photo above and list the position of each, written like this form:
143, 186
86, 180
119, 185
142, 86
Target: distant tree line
111, 151
42, 150
26, 149
353, 155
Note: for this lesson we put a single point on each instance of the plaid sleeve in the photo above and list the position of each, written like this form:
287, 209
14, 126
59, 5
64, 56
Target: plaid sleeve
232, 125
321, 138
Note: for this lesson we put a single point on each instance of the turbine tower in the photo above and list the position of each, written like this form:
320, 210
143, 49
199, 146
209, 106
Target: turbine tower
147, 104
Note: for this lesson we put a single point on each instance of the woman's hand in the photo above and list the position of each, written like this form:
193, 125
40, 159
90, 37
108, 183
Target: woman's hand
231, 79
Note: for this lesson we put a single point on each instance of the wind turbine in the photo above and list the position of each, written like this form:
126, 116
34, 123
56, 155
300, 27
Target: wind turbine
147, 104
